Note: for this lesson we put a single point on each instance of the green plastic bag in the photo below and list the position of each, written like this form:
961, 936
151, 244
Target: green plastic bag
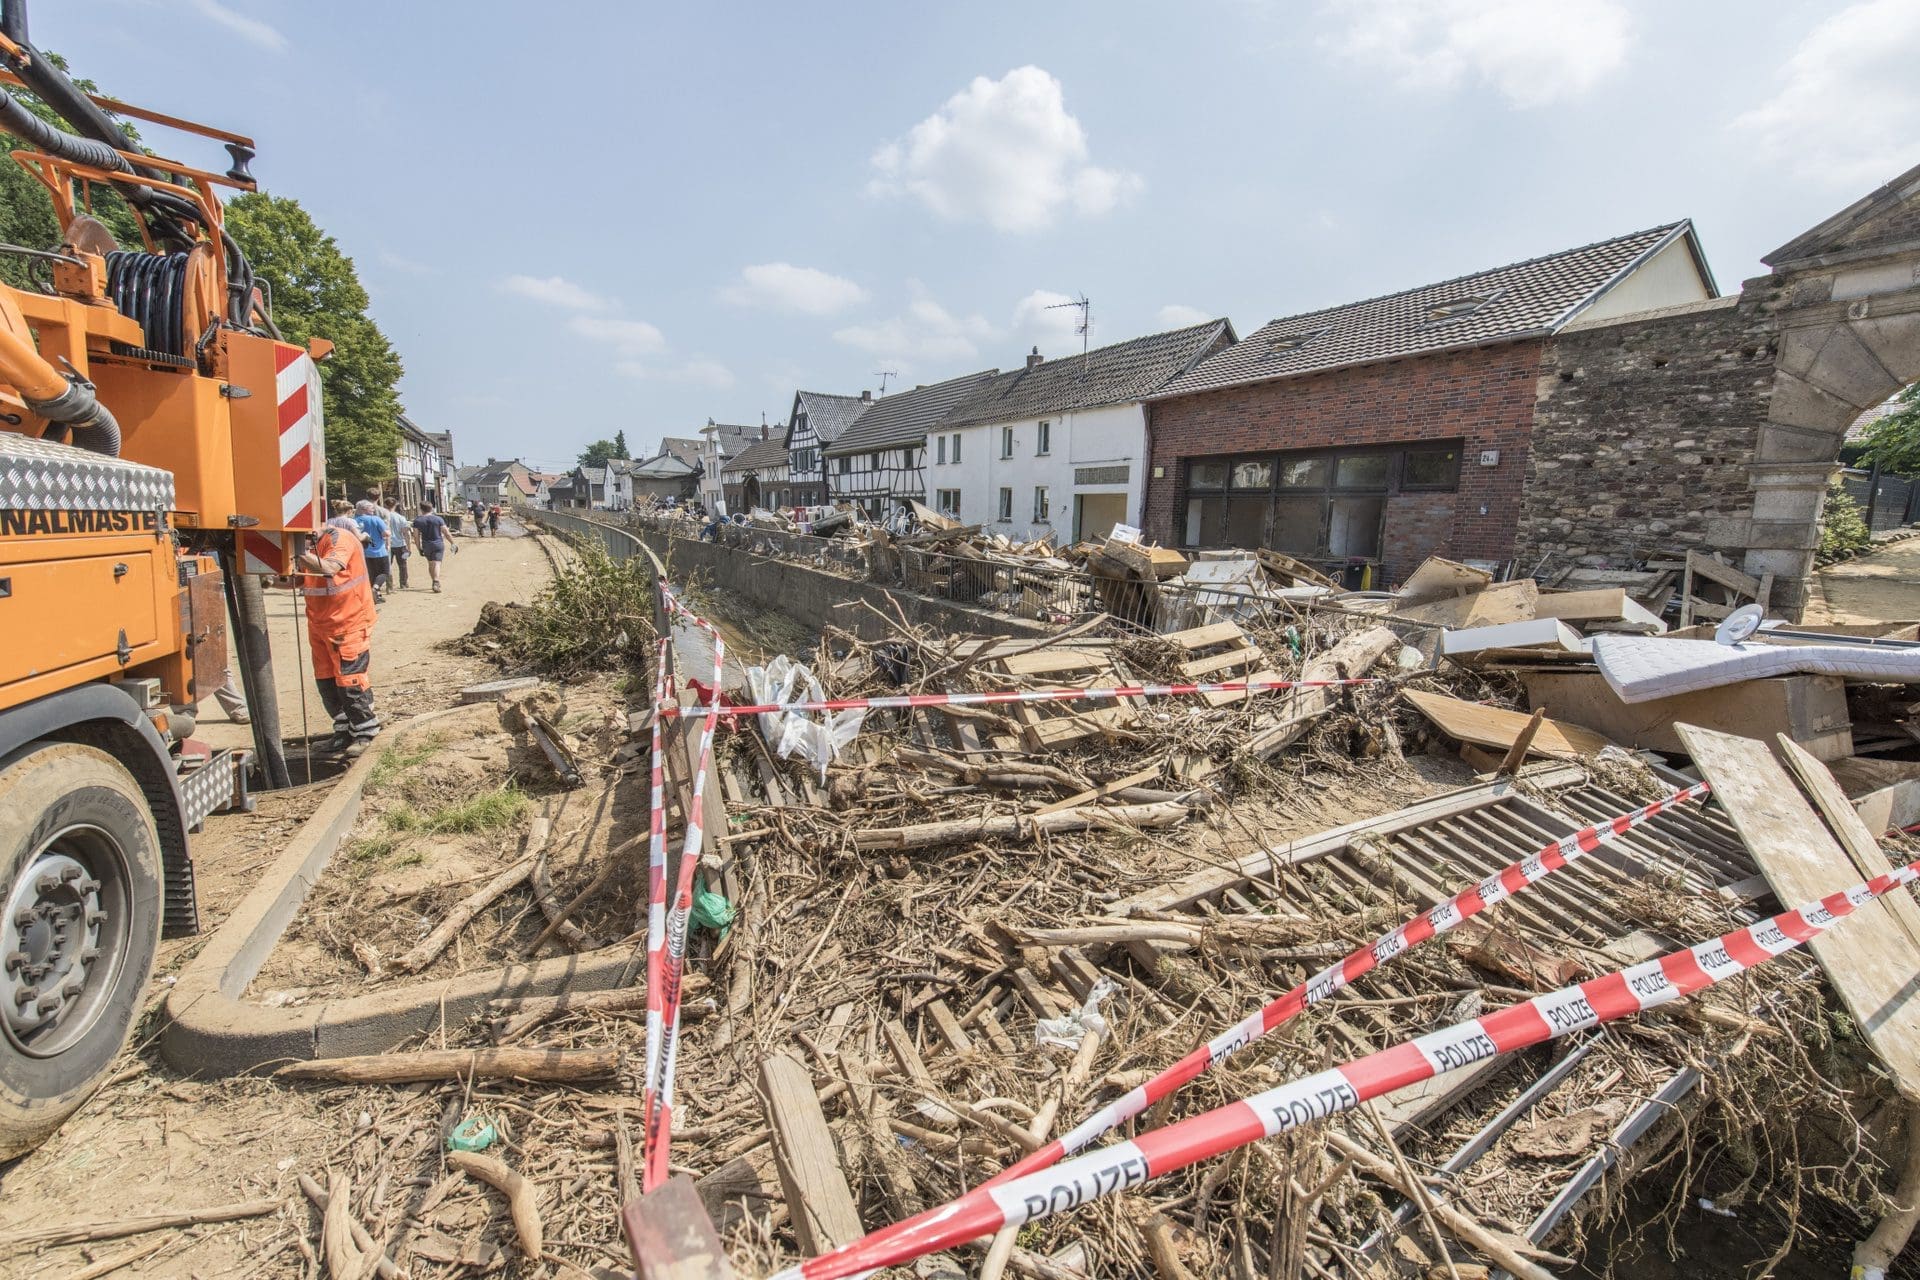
712, 910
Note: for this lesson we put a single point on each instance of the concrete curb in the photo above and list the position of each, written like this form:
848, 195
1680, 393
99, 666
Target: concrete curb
212, 1031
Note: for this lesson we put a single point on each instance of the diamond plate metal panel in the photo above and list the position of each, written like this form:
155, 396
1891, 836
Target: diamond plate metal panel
36, 475
207, 788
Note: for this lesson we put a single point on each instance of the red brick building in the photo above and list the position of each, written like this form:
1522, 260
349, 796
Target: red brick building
1385, 431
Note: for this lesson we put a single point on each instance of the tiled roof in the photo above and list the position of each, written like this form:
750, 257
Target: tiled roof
593, 475
830, 415
771, 452
1115, 374
662, 466
680, 447
732, 438
1858, 430
1524, 299
906, 416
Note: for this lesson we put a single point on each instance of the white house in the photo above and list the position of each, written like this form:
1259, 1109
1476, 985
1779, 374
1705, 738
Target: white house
720, 443
758, 476
879, 461
1058, 448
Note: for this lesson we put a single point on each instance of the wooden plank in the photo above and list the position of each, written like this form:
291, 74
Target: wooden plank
1244, 654
1853, 834
1499, 728
1101, 792
1051, 662
1893, 808
1428, 1099
811, 1178
1598, 604
900, 1044
1275, 562
1506, 602
1811, 709
1705, 566
1206, 637
1870, 960
948, 1026
671, 1236
1438, 578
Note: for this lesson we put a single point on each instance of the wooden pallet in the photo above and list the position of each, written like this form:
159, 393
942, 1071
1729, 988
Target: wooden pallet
1220, 654
1045, 725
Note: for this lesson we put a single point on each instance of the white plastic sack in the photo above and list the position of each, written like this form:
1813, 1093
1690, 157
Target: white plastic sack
818, 738
1070, 1030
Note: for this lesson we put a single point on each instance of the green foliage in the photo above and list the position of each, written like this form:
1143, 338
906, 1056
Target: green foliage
395, 761
620, 444
1894, 441
601, 452
316, 293
488, 811
1843, 526
26, 209
598, 612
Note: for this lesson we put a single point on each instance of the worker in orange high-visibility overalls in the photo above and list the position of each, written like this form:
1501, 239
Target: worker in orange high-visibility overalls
340, 618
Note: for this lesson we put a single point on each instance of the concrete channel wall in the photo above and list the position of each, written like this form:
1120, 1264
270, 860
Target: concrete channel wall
811, 597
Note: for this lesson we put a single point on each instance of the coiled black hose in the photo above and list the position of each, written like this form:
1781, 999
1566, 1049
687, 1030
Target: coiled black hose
151, 289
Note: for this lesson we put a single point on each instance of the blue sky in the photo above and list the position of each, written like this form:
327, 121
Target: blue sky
584, 215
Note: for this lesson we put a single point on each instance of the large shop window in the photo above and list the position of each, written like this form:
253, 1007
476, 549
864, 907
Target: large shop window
1328, 504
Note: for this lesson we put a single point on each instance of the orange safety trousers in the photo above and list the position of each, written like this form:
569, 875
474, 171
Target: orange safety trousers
340, 617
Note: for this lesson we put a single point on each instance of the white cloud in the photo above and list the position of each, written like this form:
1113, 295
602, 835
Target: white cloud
1848, 108
556, 291
924, 331
1533, 52
1004, 152
1178, 315
250, 29
1048, 320
400, 262
628, 337
785, 287
699, 371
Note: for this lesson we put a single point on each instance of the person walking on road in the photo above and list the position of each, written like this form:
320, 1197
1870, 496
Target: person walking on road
379, 538
431, 529
340, 618
493, 520
400, 534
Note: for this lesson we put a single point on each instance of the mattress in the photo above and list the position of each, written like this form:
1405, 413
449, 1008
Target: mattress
1642, 668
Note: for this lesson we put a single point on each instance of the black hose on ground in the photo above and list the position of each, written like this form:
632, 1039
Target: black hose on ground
247, 607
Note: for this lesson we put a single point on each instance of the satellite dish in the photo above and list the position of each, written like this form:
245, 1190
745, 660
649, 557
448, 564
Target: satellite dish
1739, 624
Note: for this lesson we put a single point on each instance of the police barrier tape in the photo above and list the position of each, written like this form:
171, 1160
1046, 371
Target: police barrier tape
1428, 924
656, 894
659, 1118
910, 700
1154, 1154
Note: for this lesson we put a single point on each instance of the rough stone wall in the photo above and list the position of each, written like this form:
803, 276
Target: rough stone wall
1644, 434
1482, 397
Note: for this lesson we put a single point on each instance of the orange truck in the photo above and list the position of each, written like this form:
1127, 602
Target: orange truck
161, 452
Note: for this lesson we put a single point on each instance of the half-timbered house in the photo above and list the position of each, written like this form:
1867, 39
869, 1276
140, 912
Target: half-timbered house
880, 461
817, 420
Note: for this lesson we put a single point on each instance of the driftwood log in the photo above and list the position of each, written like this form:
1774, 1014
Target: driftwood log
1025, 826
514, 1018
522, 1201
459, 1064
1352, 657
472, 905
115, 1228
322, 1200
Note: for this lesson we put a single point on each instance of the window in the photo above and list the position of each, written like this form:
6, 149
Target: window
1206, 475
948, 502
1430, 469
846, 464
1006, 442
1006, 504
1039, 503
1361, 471
1046, 441
1292, 341
873, 460
1252, 475
956, 446
941, 456
1459, 308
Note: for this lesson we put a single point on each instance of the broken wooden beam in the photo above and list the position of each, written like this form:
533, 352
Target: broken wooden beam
1024, 826
671, 1236
815, 1185
459, 1064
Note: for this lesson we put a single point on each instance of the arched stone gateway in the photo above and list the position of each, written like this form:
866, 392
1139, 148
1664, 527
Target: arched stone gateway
1716, 426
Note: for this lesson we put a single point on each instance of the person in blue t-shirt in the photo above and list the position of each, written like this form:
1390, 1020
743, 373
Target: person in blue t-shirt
431, 529
379, 538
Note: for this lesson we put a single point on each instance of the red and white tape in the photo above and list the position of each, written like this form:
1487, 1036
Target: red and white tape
656, 895
659, 1133
1428, 924
1154, 1154
907, 701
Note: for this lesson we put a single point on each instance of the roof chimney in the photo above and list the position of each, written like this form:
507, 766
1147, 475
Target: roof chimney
867, 395
1034, 357
763, 431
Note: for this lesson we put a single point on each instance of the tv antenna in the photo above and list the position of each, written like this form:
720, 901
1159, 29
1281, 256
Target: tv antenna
883, 375
1085, 304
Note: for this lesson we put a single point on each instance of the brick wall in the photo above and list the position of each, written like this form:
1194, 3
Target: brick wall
1483, 397
1644, 433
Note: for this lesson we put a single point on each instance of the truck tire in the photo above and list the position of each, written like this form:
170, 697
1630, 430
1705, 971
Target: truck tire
80, 907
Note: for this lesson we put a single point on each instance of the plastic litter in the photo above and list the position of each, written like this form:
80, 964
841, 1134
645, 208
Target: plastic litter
472, 1134
818, 741
1068, 1031
711, 910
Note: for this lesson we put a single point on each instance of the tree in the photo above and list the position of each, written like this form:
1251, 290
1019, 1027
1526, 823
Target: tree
1893, 441
620, 444
600, 453
317, 293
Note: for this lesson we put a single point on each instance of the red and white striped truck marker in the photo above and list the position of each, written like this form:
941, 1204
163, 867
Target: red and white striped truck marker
1154, 1154
1428, 924
296, 392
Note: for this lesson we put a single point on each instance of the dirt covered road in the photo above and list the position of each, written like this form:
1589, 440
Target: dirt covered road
153, 1141
1881, 586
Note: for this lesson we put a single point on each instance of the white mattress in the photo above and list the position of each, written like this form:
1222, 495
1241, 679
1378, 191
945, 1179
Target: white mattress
1642, 668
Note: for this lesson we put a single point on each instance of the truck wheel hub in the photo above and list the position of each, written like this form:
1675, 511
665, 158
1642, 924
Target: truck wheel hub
49, 935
